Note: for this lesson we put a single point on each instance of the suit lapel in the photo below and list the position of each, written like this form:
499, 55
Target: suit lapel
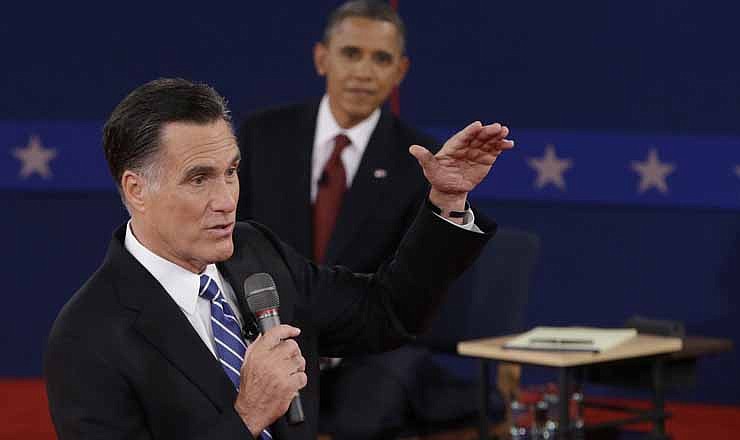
236, 269
179, 343
250, 258
162, 323
368, 186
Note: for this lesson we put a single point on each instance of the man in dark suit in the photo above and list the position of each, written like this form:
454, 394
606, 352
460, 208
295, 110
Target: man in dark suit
362, 58
151, 346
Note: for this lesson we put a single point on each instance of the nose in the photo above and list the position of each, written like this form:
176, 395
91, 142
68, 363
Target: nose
224, 196
363, 69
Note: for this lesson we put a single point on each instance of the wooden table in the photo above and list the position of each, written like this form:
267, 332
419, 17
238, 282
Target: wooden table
654, 348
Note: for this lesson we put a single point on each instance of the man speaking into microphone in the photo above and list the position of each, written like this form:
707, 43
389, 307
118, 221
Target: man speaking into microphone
159, 343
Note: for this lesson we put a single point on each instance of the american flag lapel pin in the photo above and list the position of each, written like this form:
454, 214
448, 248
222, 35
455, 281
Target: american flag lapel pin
380, 173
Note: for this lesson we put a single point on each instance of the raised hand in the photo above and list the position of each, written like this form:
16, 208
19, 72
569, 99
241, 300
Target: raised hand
462, 162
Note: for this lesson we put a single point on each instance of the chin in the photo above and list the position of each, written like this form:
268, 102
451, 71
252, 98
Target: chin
223, 252
360, 113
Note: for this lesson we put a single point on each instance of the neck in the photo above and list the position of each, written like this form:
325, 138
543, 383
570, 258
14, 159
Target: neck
143, 235
344, 120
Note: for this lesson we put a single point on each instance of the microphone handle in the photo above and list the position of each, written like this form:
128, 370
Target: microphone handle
295, 410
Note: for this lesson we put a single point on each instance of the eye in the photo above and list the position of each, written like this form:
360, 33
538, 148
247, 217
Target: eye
233, 171
351, 53
383, 58
198, 180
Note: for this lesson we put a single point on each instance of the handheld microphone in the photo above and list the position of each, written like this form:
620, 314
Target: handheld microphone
264, 302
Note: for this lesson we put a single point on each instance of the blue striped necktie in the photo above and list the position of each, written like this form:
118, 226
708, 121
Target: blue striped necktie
226, 333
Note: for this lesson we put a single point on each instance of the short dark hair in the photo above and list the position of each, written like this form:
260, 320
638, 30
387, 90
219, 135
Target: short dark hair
370, 9
131, 136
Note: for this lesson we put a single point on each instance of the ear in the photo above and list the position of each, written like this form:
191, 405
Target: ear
403, 67
320, 52
133, 187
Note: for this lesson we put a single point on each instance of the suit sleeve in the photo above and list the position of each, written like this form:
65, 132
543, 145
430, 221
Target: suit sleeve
357, 313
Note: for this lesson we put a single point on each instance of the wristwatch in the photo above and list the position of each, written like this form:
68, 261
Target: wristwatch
453, 214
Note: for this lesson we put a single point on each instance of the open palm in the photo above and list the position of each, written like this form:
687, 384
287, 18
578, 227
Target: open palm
465, 159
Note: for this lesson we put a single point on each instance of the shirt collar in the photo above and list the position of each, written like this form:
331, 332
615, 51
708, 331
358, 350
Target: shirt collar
181, 284
327, 127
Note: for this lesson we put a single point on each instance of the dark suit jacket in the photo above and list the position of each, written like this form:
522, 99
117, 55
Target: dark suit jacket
275, 180
124, 362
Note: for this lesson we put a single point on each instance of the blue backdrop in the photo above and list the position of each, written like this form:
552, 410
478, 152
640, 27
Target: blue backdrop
636, 198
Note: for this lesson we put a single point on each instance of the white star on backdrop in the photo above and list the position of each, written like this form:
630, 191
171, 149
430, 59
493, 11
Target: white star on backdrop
35, 158
737, 170
653, 172
550, 168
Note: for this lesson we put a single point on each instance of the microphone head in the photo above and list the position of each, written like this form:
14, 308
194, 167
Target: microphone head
261, 293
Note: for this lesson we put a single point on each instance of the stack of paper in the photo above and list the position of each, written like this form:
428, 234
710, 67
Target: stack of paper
587, 339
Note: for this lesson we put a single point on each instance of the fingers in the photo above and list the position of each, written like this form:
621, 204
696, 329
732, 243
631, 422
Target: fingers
273, 372
251, 348
493, 138
285, 355
493, 131
422, 155
288, 362
293, 365
275, 335
287, 350
301, 365
467, 134
300, 380
464, 136
476, 135
275, 345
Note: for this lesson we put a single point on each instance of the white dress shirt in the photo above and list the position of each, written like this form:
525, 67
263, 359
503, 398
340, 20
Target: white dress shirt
327, 129
183, 286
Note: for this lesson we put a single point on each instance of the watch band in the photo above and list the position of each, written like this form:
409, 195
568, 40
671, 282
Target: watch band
453, 214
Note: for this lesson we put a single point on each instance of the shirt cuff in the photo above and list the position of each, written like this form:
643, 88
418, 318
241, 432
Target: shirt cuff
468, 221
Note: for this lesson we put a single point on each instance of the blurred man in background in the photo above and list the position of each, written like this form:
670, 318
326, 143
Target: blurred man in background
333, 179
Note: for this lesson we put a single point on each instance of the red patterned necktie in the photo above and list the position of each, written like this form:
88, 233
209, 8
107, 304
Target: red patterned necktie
332, 185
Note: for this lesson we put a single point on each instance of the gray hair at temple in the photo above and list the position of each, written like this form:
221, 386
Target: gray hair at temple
370, 9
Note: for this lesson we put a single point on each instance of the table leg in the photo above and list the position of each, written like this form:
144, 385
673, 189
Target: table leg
483, 387
658, 399
564, 404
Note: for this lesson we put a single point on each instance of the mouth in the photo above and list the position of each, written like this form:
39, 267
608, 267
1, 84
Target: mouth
360, 91
221, 230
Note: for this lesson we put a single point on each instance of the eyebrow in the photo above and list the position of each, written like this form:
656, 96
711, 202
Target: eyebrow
208, 169
383, 53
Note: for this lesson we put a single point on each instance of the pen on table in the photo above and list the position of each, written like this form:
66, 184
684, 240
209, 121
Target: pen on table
560, 341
